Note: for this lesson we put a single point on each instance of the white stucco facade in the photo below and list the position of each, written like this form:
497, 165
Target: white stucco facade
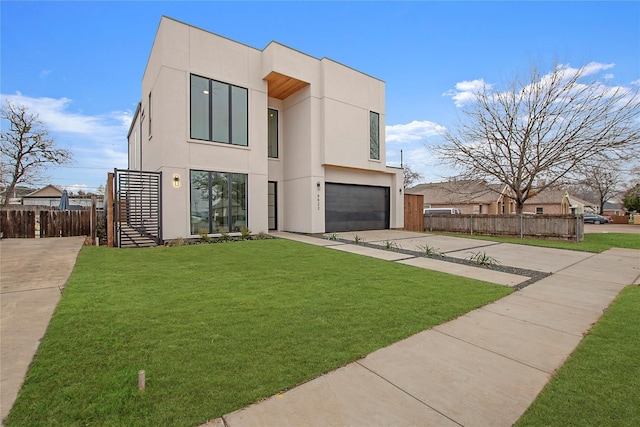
324, 127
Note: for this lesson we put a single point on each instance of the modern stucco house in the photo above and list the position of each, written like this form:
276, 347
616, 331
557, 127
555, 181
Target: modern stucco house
270, 139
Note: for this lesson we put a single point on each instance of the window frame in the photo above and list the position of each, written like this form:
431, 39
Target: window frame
374, 132
150, 133
275, 205
541, 209
230, 202
230, 110
277, 142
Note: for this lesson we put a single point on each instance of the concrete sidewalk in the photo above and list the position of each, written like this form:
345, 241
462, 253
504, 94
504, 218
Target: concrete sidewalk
33, 273
484, 368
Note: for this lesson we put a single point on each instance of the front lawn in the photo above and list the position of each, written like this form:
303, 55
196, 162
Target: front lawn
593, 242
599, 385
217, 327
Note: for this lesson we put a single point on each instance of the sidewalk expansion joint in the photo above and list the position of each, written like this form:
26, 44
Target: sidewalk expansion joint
575, 263
493, 352
409, 394
569, 306
474, 247
529, 322
31, 290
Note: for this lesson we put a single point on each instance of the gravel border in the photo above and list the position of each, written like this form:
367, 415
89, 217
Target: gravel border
533, 274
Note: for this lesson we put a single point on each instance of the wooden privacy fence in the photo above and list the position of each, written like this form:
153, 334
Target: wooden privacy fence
45, 223
413, 217
566, 227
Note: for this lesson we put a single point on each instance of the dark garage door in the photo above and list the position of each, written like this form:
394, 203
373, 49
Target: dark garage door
351, 207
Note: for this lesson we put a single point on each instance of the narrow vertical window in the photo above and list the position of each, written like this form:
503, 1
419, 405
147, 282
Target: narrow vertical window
239, 119
200, 108
200, 202
238, 201
374, 136
150, 114
273, 205
272, 120
220, 113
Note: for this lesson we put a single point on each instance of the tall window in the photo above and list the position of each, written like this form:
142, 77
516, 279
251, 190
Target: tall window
272, 120
219, 111
273, 205
218, 202
374, 135
149, 114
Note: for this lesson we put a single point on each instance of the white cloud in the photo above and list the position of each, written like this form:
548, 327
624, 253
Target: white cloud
415, 138
635, 83
97, 142
55, 114
412, 132
465, 91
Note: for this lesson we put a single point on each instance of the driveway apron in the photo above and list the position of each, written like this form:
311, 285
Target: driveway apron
33, 273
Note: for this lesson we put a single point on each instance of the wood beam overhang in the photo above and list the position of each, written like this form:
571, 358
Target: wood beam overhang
281, 86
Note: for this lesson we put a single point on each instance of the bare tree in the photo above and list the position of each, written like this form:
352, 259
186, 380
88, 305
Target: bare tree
534, 134
26, 148
603, 181
410, 177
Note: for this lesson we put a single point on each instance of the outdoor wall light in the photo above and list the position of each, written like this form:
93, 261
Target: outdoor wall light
318, 184
176, 180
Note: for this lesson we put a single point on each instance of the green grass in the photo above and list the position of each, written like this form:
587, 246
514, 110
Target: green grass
599, 385
217, 327
595, 242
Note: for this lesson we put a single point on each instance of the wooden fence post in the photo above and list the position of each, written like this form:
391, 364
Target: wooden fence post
94, 220
109, 226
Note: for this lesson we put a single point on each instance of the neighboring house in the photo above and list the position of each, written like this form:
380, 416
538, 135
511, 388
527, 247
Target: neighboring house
46, 196
50, 196
479, 197
470, 196
269, 139
614, 209
16, 196
556, 202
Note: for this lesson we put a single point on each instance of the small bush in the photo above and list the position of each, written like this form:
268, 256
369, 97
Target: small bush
481, 258
175, 242
204, 236
333, 236
357, 239
245, 233
390, 245
427, 250
224, 236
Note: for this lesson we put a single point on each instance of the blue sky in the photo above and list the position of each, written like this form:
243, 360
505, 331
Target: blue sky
79, 65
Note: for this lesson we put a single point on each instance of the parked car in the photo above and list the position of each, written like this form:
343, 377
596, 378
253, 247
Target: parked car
595, 219
451, 211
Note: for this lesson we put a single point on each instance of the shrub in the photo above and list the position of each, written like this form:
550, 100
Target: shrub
427, 250
481, 258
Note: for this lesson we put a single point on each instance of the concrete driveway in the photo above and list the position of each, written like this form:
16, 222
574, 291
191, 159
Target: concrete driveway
481, 369
527, 257
612, 228
33, 273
